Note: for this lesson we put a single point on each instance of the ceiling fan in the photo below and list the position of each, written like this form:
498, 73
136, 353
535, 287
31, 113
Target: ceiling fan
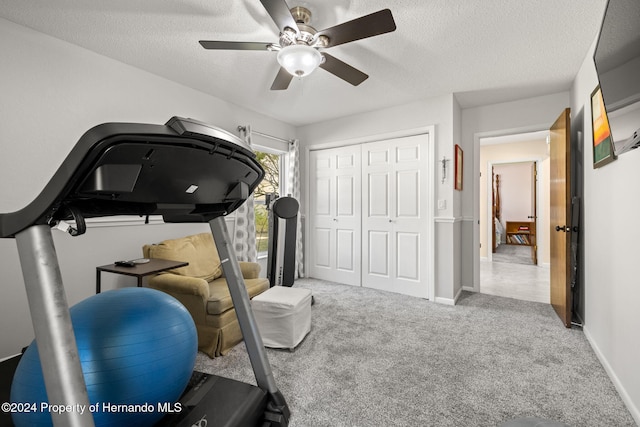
299, 44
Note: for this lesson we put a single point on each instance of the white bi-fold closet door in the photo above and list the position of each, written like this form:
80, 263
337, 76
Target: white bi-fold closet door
369, 215
335, 214
394, 216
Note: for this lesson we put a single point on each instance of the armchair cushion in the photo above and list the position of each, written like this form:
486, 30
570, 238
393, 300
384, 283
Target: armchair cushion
176, 284
199, 250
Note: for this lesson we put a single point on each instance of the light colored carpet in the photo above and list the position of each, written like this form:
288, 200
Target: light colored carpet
381, 359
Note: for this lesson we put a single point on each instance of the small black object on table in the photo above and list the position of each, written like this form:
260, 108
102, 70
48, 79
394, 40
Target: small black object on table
154, 266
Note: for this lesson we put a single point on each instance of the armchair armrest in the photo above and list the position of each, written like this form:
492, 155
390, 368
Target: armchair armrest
177, 284
250, 270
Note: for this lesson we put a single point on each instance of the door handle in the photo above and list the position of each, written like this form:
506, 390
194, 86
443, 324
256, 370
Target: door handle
566, 229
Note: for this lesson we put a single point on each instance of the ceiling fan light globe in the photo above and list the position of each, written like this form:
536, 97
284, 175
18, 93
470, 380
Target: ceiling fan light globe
299, 60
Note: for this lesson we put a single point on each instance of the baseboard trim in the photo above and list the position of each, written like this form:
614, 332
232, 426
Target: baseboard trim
455, 299
469, 289
445, 301
635, 411
449, 301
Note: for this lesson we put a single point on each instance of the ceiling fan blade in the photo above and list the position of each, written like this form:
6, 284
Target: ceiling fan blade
208, 44
282, 80
343, 70
280, 13
377, 23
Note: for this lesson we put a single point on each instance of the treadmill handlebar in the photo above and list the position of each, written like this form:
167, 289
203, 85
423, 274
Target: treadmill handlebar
194, 128
185, 170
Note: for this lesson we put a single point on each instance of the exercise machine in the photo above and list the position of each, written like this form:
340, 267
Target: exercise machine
283, 224
185, 171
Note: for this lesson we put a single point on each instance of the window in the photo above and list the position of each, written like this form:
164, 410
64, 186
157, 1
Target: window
272, 164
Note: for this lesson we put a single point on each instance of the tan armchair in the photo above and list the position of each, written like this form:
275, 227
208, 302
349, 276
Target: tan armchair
202, 288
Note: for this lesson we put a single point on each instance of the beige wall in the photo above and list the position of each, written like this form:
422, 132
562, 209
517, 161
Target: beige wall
515, 191
514, 153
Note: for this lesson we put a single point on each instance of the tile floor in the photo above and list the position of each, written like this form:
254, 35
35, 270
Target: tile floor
519, 281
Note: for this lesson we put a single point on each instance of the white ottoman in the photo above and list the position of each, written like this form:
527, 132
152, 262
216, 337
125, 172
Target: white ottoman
283, 316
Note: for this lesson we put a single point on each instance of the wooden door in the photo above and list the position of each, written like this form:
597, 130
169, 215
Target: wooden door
395, 217
335, 212
533, 237
560, 201
494, 243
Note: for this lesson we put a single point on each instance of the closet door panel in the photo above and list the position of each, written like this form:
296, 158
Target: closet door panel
322, 240
408, 194
408, 256
378, 254
345, 256
396, 208
334, 214
378, 195
345, 196
377, 156
322, 196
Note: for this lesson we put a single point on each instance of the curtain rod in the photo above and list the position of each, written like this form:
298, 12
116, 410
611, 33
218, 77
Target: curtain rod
244, 129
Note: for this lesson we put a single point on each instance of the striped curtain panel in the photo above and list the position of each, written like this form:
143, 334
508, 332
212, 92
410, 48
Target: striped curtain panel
244, 238
293, 188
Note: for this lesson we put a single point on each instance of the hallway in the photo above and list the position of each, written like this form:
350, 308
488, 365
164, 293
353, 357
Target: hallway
519, 281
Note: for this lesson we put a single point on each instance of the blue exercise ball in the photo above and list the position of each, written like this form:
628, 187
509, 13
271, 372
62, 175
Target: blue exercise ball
137, 348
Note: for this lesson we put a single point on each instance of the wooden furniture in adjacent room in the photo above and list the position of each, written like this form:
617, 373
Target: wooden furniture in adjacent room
496, 210
521, 233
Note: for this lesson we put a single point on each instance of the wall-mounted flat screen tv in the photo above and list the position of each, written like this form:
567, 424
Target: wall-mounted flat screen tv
617, 60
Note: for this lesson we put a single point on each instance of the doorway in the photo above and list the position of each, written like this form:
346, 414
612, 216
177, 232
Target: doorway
518, 265
512, 225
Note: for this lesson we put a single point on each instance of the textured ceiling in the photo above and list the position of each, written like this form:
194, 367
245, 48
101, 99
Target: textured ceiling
484, 51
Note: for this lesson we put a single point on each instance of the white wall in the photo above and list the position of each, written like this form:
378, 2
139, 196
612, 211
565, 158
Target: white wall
52, 92
611, 288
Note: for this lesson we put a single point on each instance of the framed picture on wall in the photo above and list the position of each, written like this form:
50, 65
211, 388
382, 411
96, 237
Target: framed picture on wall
601, 133
458, 168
